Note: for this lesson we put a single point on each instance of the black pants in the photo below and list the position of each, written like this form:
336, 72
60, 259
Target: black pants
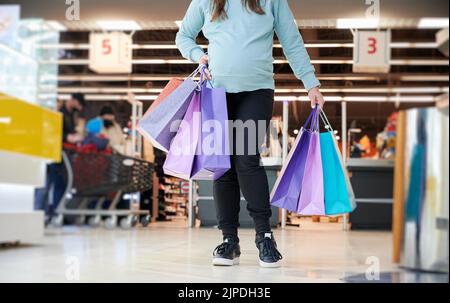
246, 173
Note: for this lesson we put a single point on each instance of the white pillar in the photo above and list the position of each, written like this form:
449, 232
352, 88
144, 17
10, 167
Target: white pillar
344, 131
344, 152
133, 127
285, 135
191, 214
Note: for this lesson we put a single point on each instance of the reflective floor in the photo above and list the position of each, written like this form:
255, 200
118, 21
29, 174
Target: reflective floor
170, 253
406, 276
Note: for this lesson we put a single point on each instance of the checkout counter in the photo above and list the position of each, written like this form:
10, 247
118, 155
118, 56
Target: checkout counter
372, 182
207, 209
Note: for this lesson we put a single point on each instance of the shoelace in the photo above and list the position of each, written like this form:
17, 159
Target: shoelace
223, 248
269, 248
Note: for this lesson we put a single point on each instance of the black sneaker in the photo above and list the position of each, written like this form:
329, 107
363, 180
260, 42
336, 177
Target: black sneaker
269, 256
227, 253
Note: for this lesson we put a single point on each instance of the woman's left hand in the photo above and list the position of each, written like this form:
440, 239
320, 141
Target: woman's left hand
316, 97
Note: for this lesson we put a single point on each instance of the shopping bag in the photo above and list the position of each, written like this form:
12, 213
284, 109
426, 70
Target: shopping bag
212, 159
338, 192
351, 193
180, 159
161, 124
286, 191
311, 201
173, 84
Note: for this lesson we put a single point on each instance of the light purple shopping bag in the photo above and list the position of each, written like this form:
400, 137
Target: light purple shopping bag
180, 159
312, 201
286, 191
212, 159
161, 125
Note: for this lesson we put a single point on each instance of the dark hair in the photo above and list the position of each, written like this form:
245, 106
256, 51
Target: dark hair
218, 8
80, 98
106, 110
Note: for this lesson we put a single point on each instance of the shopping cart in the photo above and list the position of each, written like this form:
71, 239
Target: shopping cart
97, 176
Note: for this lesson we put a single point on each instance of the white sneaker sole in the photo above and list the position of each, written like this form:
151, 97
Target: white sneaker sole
270, 265
225, 262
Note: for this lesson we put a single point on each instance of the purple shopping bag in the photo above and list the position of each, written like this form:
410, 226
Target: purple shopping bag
180, 159
161, 125
312, 201
286, 191
212, 159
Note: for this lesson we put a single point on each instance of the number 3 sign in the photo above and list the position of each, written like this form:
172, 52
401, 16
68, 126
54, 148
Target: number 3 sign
110, 53
372, 53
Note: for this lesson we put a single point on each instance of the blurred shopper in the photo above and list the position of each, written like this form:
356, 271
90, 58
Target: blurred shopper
240, 35
356, 149
48, 199
111, 129
94, 138
69, 109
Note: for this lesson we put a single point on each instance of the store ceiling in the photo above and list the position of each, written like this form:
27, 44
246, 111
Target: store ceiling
171, 10
421, 70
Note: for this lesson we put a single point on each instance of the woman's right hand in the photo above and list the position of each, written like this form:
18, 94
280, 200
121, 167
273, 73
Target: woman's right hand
204, 61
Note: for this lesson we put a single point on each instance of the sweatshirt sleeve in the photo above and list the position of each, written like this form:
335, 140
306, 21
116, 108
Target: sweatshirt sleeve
190, 28
293, 45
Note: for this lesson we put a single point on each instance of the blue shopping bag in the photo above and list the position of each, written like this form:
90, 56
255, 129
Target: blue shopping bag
338, 193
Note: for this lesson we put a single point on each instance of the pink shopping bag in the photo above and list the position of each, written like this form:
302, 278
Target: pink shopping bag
312, 201
180, 159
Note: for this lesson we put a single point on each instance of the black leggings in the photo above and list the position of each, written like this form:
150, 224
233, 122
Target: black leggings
246, 173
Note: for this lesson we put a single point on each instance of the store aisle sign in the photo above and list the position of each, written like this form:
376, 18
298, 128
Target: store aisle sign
372, 53
110, 52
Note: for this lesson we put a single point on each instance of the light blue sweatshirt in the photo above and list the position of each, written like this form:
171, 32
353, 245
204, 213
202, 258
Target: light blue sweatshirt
241, 47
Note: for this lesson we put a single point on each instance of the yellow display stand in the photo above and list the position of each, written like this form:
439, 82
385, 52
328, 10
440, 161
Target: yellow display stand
30, 137
30, 129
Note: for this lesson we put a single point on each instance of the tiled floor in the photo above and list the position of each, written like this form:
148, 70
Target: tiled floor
171, 253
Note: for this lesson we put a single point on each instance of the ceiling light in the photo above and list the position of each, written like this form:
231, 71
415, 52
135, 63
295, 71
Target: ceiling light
419, 78
433, 23
56, 26
363, 99
411, 99
118, 25
357, 23
355, 130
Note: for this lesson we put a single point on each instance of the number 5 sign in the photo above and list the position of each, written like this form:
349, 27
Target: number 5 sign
372, 53
110, 53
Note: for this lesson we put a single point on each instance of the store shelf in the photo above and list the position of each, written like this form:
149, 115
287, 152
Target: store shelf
175, 199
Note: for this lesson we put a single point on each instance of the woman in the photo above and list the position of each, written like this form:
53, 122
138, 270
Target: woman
240, 34
111, 129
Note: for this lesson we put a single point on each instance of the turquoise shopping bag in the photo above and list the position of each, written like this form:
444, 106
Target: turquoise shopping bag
336, 186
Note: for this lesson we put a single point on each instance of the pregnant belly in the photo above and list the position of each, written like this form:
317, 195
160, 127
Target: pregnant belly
226, 61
